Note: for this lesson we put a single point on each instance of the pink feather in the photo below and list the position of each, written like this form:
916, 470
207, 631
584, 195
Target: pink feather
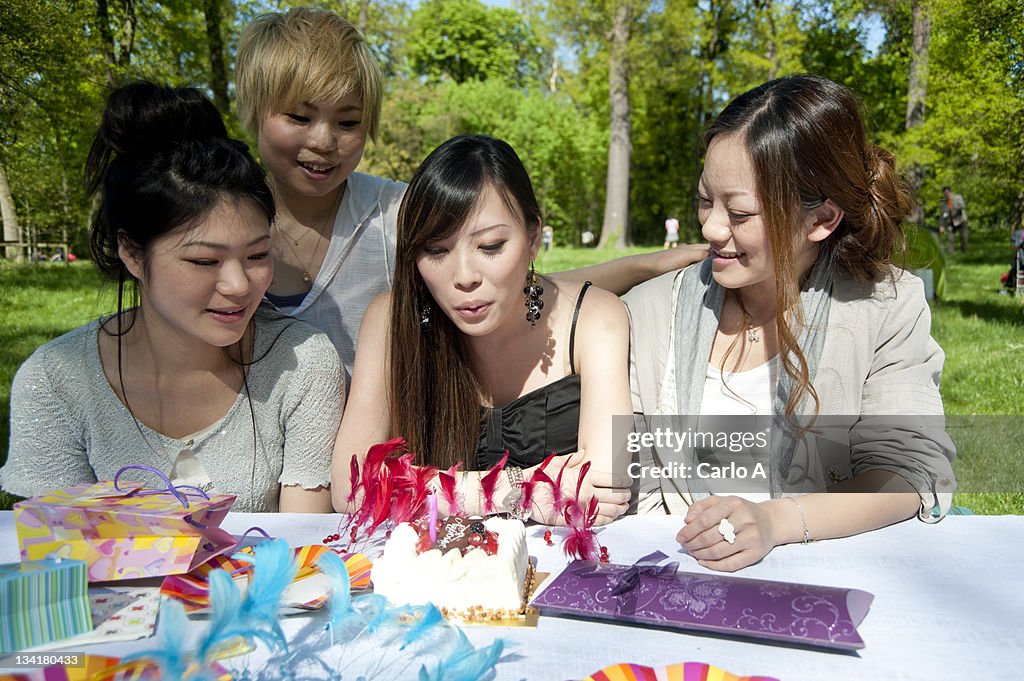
526, 501
447, 480
490, 481
540, 475
353, 476
581, 542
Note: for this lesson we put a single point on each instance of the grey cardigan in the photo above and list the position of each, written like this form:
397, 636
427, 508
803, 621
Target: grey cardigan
68, 425
879, 367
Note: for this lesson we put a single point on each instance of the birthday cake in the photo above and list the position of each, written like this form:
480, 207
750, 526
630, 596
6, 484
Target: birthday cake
471, 567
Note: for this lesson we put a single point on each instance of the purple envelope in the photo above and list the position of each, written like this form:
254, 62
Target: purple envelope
653, 592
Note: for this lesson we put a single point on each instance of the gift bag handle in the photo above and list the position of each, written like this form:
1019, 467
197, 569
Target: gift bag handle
241, 539
171, 488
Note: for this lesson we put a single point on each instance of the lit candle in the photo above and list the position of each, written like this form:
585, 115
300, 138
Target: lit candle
432, 517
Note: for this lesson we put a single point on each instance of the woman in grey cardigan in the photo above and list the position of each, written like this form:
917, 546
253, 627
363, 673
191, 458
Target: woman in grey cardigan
798, 323
196, 380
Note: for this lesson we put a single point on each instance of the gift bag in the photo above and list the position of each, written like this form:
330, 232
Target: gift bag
123, 530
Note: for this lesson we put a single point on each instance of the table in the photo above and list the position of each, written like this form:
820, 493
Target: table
947, 603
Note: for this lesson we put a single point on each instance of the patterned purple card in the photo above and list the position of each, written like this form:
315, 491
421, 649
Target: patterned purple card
652, 592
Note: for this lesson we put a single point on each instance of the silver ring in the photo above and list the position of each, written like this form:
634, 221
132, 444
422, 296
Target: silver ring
727, 530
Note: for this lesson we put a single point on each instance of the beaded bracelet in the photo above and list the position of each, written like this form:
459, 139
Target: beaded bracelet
803, 520
465, 480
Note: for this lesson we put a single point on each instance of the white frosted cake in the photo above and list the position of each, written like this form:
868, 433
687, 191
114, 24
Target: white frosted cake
474, 565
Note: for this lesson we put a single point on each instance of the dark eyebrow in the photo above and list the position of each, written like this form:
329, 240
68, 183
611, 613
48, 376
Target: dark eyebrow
224, 247
490, 227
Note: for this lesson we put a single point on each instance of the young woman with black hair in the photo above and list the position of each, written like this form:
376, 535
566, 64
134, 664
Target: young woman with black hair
193, 378
473, 353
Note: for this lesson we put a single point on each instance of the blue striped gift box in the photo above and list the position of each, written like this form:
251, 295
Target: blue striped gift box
42, 601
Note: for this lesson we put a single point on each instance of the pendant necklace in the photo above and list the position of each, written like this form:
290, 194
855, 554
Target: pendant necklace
306, 277
292, 242
753, 330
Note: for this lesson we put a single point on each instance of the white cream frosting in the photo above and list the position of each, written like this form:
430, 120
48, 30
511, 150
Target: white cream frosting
451, 580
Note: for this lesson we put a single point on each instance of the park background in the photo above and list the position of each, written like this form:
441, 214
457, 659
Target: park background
605, 102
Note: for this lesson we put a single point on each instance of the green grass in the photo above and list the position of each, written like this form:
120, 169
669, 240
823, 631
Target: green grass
40, 303
981, 332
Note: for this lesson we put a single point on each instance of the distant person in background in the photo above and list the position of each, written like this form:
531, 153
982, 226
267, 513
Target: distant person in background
954, 219
1013, 281
671, 233
547, 237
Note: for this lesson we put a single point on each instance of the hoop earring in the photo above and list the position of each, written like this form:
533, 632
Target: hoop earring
534, 290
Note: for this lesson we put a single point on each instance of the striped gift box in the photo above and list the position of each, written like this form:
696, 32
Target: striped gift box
42, 601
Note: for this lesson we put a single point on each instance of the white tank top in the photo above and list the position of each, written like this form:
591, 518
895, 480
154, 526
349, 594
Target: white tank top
741, 393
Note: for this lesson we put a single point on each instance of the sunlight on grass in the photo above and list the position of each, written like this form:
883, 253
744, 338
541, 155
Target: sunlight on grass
981, 332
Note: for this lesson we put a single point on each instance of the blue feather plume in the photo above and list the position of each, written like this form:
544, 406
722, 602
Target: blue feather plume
375, 610
465, 663
172, 655
225, 621
427, 617
273, 570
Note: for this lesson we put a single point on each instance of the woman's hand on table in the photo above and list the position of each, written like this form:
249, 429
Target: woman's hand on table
611, 491
754, 526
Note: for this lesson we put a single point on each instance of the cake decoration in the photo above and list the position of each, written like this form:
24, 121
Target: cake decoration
388, 490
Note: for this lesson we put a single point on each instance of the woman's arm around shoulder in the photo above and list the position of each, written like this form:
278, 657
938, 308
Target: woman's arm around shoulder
622, 274
367, 417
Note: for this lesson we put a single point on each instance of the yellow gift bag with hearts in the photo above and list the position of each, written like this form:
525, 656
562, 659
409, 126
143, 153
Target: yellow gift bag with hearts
123, 530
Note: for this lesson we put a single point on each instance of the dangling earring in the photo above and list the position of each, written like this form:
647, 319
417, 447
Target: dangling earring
423, 303
533, 292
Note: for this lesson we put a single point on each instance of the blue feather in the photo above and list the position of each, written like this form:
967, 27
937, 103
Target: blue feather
465, 663
225, 624
427, 617
273, 570
345, 621
341, 595
374, 609
171, 656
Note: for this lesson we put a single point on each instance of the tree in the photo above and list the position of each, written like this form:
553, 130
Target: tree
467, 40
46, 96
117, 45
917, 88
616, 205
12, 230
213, 11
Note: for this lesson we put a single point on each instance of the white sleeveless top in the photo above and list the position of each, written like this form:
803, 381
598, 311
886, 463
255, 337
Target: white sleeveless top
741, 393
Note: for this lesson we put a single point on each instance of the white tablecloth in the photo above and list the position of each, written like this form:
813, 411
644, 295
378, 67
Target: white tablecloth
948, 603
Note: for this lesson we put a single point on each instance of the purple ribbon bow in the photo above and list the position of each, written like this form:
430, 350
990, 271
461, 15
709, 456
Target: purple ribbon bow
628, 579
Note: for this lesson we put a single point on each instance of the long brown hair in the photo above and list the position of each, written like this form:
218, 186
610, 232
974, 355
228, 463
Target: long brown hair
434, 393
806, 139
